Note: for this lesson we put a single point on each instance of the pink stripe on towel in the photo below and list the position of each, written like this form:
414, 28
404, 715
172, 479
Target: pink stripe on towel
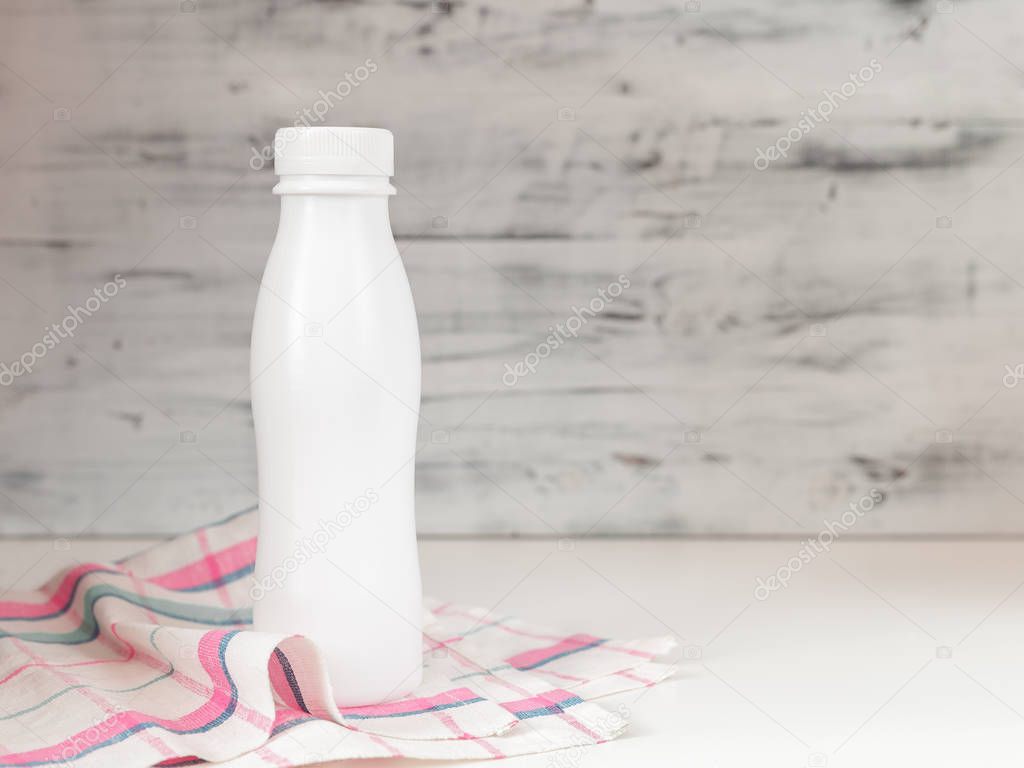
549, 653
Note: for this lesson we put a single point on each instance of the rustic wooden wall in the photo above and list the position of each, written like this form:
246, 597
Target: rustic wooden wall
791, 338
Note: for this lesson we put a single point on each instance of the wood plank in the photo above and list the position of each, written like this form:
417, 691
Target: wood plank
732, 269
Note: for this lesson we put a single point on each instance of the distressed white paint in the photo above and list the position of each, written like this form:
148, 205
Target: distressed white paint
717, 335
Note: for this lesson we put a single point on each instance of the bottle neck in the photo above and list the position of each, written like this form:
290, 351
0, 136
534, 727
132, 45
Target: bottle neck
310, 184
334, 206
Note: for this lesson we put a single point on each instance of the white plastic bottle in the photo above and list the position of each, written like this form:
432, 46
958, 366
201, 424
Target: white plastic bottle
335, 375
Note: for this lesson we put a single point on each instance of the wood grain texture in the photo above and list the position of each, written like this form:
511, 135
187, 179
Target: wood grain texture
791, 338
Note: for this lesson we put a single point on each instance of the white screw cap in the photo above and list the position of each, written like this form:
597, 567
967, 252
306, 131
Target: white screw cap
330, 150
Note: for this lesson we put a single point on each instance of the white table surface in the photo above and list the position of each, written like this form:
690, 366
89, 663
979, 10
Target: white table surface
881, 653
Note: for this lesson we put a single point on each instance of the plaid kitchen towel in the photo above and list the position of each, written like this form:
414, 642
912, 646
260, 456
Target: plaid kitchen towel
151, 661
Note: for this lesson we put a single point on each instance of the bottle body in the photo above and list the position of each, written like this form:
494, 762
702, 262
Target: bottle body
335, 385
